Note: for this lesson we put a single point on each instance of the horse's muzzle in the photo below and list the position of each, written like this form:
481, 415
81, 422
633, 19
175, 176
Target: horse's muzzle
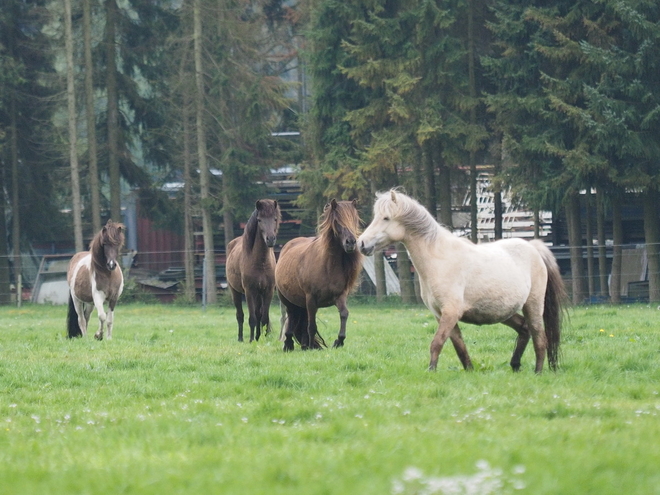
111, 265
349, 245
270, 241
367, 251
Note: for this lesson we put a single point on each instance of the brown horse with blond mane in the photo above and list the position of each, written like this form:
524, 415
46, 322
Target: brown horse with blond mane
94, 277
317, 272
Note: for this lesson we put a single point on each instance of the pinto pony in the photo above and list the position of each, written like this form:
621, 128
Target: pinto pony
251, 267
94, 277
509, 281
317, 272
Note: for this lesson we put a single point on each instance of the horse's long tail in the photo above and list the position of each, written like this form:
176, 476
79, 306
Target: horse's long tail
556, 298
72, 325
297, 323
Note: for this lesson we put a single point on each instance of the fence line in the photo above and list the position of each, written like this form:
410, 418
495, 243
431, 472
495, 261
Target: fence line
144, 265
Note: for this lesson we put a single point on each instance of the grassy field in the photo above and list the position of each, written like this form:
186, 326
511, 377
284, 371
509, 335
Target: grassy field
173, 404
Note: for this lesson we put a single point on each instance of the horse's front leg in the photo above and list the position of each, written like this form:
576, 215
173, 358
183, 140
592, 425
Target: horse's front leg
286, 333
446, 323
110, 318
99, 299
265, 310
343, 318
460, 347
253, 312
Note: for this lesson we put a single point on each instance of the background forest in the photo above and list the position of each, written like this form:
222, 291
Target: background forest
102, 100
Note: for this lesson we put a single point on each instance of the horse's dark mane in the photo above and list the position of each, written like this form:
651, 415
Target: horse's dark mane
268, 208
346, 215
250, 232
113, 234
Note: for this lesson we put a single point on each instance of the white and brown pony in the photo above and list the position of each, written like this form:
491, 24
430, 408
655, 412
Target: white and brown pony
251, 267
509, 281
94, 277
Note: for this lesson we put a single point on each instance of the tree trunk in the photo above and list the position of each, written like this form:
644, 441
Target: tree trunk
5, 292
188, 255
602, 249
15, 206
207, 223
575, 242
444, 177
379, 264
652, 238
405, 274
418, 173
227, 215
497, 201
73, 134
379, 268
113, 110
429, 179
92, 151
617, 238
537, 223
474, 202
590, 244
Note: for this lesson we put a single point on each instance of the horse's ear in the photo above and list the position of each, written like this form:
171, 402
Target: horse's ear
333, 203
257, 205
393, 195
355, 203
275, 203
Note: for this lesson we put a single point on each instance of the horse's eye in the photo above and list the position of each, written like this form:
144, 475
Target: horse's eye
387, 219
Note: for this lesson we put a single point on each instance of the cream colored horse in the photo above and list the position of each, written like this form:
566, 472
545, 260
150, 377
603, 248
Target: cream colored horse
510, 281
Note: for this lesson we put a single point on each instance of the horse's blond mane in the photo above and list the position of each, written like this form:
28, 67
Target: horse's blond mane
417, 219
345, 214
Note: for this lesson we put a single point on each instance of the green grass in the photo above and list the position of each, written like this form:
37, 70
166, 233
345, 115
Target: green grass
173, 404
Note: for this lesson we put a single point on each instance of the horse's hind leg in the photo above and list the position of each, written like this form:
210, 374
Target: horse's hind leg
534, 318
459, 346
82, 313
517, 322
237, 297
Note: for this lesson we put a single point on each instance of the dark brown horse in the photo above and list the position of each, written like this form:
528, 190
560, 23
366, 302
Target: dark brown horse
317, 272
94, 277
251, 267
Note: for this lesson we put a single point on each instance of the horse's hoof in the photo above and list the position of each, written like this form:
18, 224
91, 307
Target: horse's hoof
338, 343
287, 348
98, 336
